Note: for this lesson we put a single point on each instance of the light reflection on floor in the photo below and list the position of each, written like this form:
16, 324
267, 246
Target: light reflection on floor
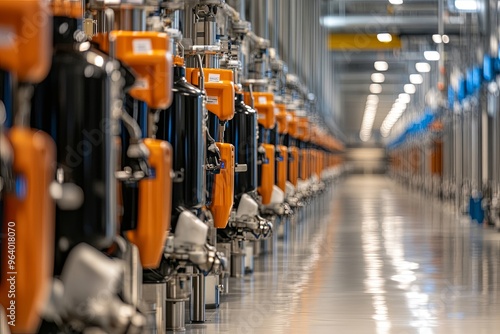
382, 260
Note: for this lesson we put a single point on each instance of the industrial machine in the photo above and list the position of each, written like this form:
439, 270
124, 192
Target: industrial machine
149, 150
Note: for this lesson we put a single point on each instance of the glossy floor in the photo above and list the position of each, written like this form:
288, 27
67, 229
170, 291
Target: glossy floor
379, 259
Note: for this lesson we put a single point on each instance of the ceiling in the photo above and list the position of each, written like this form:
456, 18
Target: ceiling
415, 21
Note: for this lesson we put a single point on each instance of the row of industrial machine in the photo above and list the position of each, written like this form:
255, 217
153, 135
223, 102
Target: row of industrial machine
145, 148
449, 145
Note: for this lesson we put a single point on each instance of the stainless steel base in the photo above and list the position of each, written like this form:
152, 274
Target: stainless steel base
154, 296
197, 299
175, 315
224, 276
238, 258
212, 292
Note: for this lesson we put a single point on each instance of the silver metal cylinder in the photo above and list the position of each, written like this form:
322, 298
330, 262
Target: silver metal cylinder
178, 288
224, 276
197, 300
237, 259
154, 296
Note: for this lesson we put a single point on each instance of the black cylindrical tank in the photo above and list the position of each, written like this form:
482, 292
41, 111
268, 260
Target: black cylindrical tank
73, 105
182, 126
241, 132
138, 110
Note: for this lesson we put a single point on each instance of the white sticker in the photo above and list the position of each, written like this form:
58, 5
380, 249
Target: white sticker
212, 100
276, 111
261, 116
141, 83
262, 100
213, 77
289, 118
142, 45
7, 37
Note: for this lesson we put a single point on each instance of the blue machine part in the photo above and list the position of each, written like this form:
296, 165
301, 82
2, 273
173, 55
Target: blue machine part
461, 93
451, 97
476, 211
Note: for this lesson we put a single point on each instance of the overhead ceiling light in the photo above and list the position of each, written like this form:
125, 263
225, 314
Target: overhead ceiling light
381, 66
423, 67
396, 2
446, 39
409, 89
466, 5
432, 55
416, 79
384, 38
437, 38
404, 98
378, 77
375, 88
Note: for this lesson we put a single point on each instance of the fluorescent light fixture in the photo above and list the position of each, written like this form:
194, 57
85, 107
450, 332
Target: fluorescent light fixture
423, 67
409, 89
378, 77
437, 38
384, 38
381, 66
404, 98
396, 2
446, 39
431, 55
416, 79
375, 88
331, 21
466, 5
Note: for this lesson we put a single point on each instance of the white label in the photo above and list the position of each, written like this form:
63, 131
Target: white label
262, 100
276, 111
7, 37
212, 100
261, 116
141, 83
289, 118
142, 45
213, 77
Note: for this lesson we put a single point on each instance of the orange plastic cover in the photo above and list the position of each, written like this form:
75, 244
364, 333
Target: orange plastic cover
223, 191
293, 125
282, 167
264, 104
219, 86
266, 183
321, 163
304, 164
29, 221
303, 129
149, 54
282, 119
155, 198
26, 39
68, 8
293, 171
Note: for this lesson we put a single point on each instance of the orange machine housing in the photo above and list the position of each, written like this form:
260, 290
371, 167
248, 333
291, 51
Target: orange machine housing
293, 165
68, 8
28, 56
155, 198
282, 118
293, 157
219, 86
265, 188
223, 190
282, 167
264, 104
148, 54
29, 223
